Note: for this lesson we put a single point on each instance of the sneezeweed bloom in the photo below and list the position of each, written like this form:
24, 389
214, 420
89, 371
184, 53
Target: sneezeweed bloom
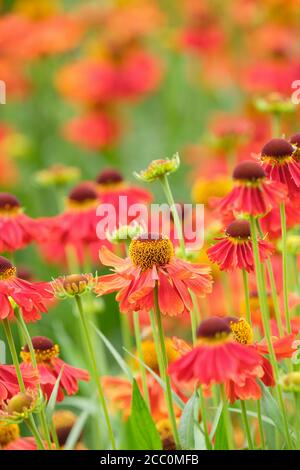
216, 358
50, 366
75, 229
253, 193
64, 421
119, 395
111, 185
247, 386
8, 434
151, 262
24, 443
275, 104
234, 250
280, 164
17, 230
159, 169
295, 141
149, 353
58, 175
20, 407
166, 435
9, 384
92, 131
78, 222
125, 233
30, 297
72, 285
291, 382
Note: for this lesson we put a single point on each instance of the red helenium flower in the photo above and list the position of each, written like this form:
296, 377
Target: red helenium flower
17, 229
234, 250
9, 385
217, 358
253, 193
50, 366
31, 298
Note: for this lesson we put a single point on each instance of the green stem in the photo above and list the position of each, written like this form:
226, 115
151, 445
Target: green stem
227, 293
275, 297
14, 355
227, 420
34, 431
246, 424
276, 125
42, 414
164, 374
178, 225
284, 267
273, 287
260, 425
94, 370
247, 296
138, 341
156, 339
266, 323
125, 331
204, 419
169, 196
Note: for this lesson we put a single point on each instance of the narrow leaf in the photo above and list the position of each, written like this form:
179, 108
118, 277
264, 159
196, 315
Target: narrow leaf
187, 422
146, 436
52, 400
114, 353
76, 431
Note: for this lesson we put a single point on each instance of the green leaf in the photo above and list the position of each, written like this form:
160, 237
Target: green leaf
271, 409
221, 442
76, 431
146, 436
115, 353
216, 421
52, 400
175, 397
187, 423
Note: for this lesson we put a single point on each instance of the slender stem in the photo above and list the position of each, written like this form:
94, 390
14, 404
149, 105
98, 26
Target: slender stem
94, 370
227, 293
204, 418
284, 267
246, 424
276, 125
227, 420
260, 425
266, 324
14, 355
179, 230
275, 297
156, 339
164, 374
273, 287
169, 196
54, 436
247, 296
34, 431
26, 334
138, 340
125, 331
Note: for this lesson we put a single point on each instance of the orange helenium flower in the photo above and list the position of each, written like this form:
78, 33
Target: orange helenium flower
152, 262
